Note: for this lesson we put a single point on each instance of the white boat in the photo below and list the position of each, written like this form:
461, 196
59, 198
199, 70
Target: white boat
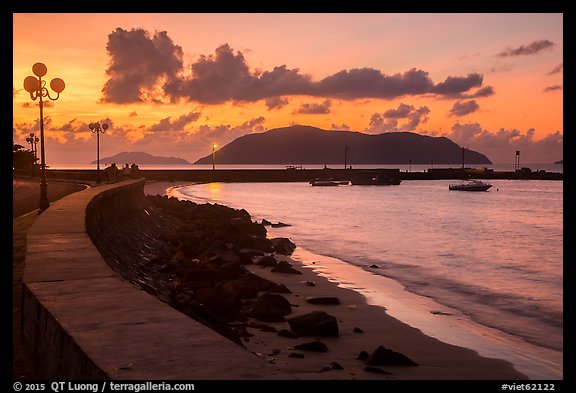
470, 185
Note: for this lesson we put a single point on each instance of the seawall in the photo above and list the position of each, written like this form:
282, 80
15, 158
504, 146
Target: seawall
81, 319
306, 175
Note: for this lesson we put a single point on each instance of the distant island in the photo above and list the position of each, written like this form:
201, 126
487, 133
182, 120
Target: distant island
561, 162
139, 158
309, 145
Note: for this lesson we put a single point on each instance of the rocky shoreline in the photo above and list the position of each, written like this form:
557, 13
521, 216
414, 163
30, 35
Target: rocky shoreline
214, 264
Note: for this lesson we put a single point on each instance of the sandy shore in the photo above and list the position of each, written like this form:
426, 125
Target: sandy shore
436, 360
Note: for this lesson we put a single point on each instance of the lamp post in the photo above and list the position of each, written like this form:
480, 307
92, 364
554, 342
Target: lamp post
214, 156
36, 86
96, 128
346, 148
33, 141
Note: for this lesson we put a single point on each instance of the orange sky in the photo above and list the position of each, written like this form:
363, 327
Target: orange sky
491, 82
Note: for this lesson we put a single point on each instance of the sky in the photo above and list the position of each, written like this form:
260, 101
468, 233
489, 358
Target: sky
175, 84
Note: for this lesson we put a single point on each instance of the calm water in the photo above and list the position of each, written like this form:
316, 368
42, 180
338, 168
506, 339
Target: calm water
495, 256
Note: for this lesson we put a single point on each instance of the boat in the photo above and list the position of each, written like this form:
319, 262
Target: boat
470, 185
329, 182
378, 180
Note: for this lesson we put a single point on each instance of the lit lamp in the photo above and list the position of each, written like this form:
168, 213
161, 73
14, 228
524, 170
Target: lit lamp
213, 156
96, 128
36, 86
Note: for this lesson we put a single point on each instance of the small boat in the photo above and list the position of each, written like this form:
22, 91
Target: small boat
329, 182
470, 185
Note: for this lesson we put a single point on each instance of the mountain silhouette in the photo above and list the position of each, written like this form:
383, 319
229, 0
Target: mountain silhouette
138, 157
300, 145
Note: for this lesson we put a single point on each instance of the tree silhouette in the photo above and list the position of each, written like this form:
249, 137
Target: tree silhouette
21, 158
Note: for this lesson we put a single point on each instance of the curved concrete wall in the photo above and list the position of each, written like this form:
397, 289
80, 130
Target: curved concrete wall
80, 320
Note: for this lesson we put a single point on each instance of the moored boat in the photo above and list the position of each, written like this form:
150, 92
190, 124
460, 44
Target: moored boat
470, 185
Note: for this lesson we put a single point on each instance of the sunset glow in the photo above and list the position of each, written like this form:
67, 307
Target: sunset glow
179, 84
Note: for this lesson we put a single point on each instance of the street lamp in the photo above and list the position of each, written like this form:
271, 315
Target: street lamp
96, 128
37, 89
213, 156
33, 141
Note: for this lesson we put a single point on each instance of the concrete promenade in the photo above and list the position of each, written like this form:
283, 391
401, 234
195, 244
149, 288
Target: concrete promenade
80, 320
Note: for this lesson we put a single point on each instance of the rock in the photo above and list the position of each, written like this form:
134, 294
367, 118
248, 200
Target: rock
282, 245
316, 323
357, 330
279, 225
314, 346
374, 267
269, 308
386, 357
287, 333
266, 222
285, 267
375, 370
323, 300
336, 366
309, 283
363, 355
279, 288
267, 260
296, 355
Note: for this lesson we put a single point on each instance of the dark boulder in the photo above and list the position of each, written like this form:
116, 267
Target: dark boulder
267, 260
386, 357
316, 323
285, 267
323, 300
282, 245
314, 346
376, 370
357, 330
269, 308
279, 224
363, 355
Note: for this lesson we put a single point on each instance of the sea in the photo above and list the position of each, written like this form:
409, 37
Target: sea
481, 270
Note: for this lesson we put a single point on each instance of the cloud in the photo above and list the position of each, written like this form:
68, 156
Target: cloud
559, 68
463, 108
138, 60
177, 125
341, 127
133, 114
388, 121
73, 142
552, 88
315, 108
500, 146
276, 102
531, 49
147, 67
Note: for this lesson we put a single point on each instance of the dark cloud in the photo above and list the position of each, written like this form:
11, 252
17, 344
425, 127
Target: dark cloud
146, 67
315, 108
553, 88
177, 125
388, 121
31, 104
485, 91
456, 85
463, 108
533, 48
557, 69
401, 112
276, 102
137, 61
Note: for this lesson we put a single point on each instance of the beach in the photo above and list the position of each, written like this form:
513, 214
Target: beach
361, 327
